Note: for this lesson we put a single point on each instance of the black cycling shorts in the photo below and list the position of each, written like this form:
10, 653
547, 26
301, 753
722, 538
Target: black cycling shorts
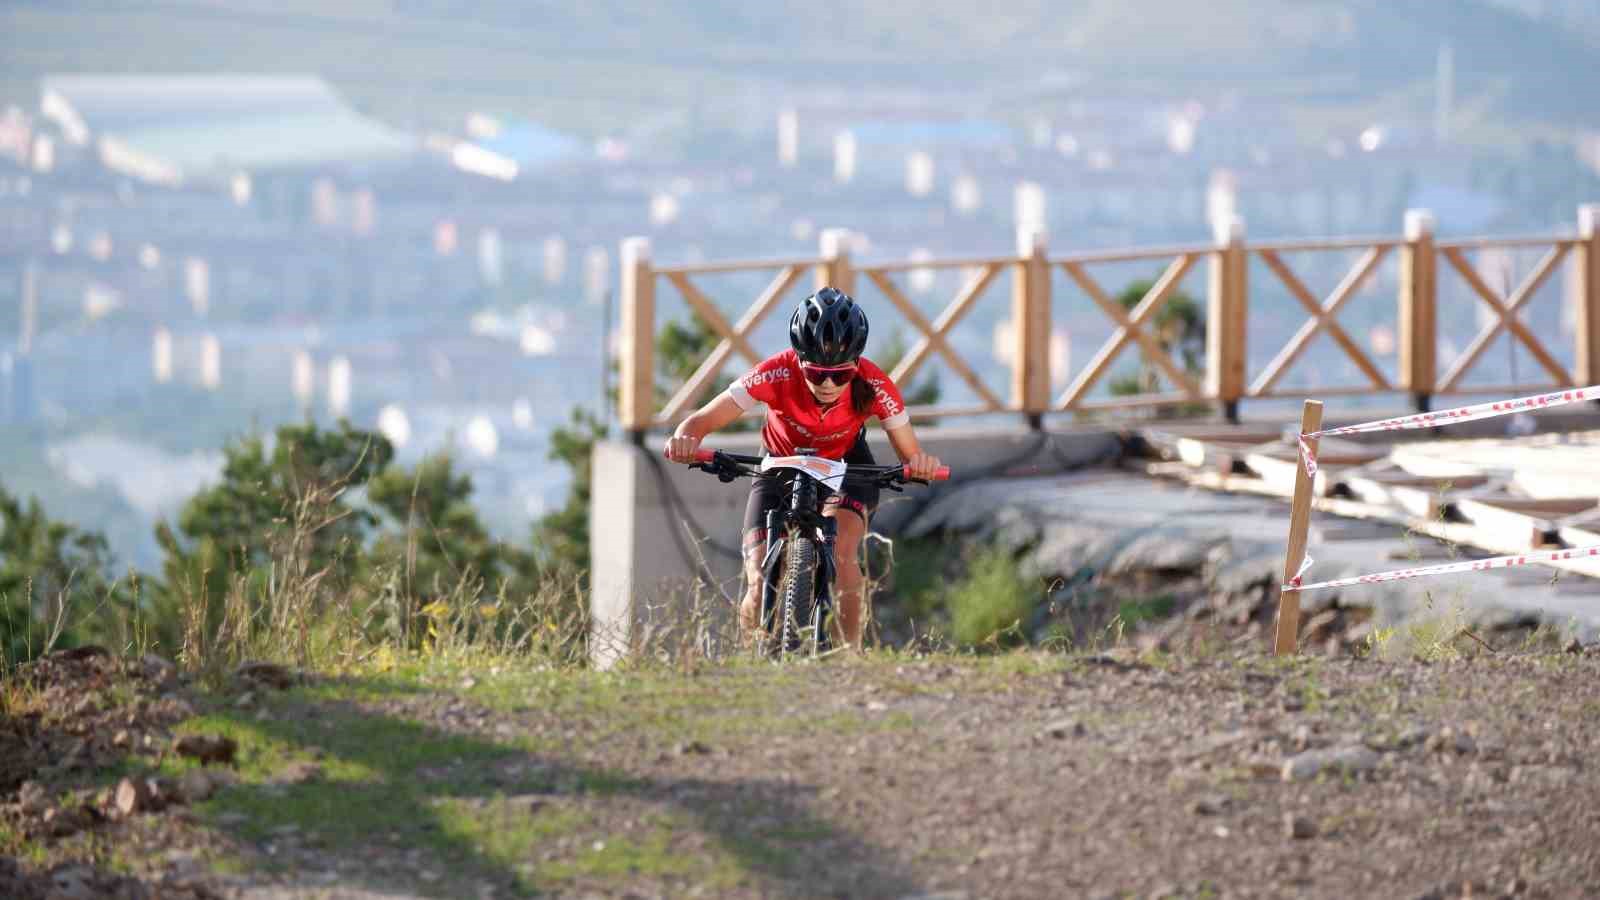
766, 493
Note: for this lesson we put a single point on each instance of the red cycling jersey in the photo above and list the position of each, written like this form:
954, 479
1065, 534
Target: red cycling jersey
795, 419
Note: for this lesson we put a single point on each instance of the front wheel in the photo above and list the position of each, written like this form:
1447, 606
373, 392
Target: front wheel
798, 612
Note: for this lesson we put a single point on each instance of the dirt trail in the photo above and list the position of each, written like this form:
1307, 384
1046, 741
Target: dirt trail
1027, 775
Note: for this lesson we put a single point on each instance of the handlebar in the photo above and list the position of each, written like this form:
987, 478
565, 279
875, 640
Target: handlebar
707, 456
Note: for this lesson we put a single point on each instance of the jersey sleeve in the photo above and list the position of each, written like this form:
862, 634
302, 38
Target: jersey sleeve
887, 404
760, 385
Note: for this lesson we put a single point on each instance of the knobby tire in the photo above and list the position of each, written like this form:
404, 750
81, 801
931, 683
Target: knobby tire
798, 592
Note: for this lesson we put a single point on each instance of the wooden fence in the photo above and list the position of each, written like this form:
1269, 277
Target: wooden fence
1227, 380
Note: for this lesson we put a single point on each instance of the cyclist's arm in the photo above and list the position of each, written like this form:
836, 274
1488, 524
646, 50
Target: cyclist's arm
904, 441
714, 416
909, 449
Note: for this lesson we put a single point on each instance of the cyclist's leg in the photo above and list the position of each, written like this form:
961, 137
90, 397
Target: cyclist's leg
851, 518
851, 511
764, 495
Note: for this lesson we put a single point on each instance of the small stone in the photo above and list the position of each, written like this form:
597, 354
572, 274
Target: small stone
32, 797
207, 748
298, 772
1301, 737
269, 674
133, 795
468, 683
876, 706
1208, 806
73, 883
1574, 646
1064, 728
121, 739
196, 786
1347, 760
1411, 737
245, 699
1450, 739
61, 821
532, 803
1298, 828
157, 668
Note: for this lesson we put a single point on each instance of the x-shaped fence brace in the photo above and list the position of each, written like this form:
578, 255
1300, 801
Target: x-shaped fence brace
1323, 317
933, 333
1130, 327
1506, 312
734, 337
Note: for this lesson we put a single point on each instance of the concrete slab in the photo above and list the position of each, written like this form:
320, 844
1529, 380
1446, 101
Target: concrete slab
1117, 523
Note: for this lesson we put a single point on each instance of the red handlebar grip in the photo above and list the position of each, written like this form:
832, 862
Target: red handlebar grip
704, 455
941, 474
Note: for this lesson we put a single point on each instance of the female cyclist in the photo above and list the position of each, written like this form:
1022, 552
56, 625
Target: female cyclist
819, 394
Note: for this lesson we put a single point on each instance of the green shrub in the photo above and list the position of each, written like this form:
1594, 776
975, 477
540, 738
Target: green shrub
992, 605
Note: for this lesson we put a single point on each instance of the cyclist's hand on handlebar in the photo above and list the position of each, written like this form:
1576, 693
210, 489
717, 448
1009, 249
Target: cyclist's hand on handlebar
922, 466
681, 448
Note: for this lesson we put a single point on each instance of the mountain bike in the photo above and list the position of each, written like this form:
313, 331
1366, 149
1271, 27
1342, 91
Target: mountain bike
797, 592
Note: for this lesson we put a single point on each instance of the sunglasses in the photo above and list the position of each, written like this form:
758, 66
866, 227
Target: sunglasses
820, 375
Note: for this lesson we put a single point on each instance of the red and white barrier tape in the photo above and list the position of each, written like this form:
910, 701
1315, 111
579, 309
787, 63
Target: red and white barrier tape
1451, 417
1476, 565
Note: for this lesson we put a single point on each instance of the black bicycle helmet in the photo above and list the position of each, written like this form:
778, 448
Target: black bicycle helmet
828, 329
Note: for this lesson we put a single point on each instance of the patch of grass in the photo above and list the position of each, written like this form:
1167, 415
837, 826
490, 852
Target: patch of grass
992, 605
513, 838
1144, 609
621, 857
14, 843
464, 800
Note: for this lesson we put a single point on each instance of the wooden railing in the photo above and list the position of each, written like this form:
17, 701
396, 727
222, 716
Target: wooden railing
1227, 380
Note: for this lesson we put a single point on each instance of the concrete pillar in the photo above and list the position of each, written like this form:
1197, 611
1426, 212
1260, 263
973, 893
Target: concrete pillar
644, 567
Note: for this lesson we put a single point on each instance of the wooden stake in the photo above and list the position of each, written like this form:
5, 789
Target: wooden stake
1288, 637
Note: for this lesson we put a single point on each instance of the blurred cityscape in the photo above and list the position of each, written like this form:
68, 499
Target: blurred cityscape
186, 258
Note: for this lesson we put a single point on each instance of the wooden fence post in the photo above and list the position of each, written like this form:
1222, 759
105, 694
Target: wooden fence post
1030, 318
1588, 299
834, 271
1288, 636
1418, 314
636, 405
1227, 308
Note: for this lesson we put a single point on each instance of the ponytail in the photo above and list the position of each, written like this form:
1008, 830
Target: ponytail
862, 394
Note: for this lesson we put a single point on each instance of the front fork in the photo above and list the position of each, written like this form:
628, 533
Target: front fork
772, 567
